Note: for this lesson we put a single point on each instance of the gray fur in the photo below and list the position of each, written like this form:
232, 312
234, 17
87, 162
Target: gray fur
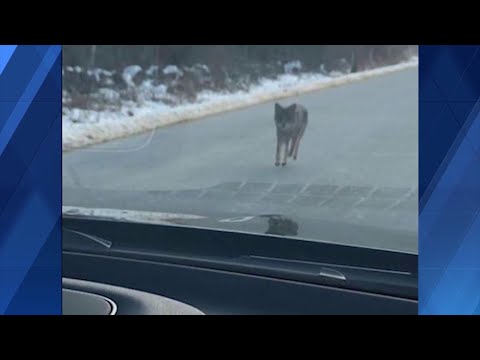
290, 122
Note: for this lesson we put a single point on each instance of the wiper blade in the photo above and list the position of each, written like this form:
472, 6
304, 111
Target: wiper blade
106, 243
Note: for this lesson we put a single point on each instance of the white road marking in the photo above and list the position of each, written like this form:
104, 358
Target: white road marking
138, 148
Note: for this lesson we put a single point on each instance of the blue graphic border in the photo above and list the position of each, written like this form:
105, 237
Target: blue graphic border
449, 180
30, 181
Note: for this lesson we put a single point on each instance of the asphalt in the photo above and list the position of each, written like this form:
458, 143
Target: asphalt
355, 179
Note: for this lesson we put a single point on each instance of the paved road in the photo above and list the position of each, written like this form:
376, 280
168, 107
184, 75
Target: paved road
357, 166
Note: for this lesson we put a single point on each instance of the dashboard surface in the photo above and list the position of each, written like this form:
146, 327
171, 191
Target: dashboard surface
90, 298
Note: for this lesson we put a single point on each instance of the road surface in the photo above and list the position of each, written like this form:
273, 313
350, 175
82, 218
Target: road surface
357, 167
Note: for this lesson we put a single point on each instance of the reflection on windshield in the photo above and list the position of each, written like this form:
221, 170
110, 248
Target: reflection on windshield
199, 136
280, 225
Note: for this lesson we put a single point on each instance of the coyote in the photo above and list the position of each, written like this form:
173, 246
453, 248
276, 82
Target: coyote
291, 122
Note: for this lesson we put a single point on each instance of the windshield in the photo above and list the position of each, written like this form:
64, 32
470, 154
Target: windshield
317, 142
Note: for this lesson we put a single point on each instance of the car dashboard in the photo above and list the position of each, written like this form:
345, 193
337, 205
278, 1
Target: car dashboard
116, 268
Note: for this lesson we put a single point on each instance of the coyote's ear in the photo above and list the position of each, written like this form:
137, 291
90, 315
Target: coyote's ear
278, 107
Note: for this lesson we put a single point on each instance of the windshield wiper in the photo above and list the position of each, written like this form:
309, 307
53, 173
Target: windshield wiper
103, 242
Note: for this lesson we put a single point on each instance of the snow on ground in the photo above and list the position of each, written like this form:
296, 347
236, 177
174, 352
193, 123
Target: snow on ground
87, 127
99, 72
129, 73
172, 70
292, 66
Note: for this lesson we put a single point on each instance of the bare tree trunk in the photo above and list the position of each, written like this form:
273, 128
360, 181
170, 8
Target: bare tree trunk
91, 65
354, 60
93, 51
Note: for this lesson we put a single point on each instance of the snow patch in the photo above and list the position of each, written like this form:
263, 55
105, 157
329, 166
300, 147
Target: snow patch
172, 70
108, 94
157, 91
202, 67
152, 71
129, 73
292, 66
97, 73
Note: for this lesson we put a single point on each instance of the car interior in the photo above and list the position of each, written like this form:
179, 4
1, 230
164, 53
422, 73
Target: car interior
113, 267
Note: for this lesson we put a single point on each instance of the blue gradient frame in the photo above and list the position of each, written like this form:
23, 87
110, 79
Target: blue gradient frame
30, 179
449, 180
